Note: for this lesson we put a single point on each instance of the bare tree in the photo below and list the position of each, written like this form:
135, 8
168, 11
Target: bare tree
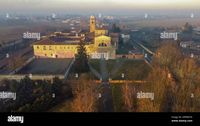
188, 86
146, 105
129, 97
175, 80
167, 55
161, 84
85, 96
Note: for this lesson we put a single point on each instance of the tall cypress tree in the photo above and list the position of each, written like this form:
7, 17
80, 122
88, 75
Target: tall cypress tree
81, 59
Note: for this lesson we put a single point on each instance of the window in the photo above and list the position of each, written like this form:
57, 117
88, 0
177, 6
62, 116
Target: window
102, 45
50, 48
37, 47
44, 47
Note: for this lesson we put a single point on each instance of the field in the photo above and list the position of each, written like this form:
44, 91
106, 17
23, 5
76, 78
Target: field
132, 69
165, 22
13, 31
46, 66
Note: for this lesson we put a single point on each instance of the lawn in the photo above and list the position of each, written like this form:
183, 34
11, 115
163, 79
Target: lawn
132, 69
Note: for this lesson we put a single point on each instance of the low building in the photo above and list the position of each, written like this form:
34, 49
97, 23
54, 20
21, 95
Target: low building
125, 37
115, 39
197, 30
101, 31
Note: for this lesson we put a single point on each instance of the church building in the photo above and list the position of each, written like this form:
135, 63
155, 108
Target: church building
97, 41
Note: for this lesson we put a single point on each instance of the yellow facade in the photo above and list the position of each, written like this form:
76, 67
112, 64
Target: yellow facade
100, 46
70, 50
58, 51
92, 24
99, 32
102, 41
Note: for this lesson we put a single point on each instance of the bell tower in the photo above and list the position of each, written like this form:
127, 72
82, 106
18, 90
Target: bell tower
92, 24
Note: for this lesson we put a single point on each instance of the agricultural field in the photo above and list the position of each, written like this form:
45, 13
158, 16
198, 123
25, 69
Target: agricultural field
10, 32
170, 22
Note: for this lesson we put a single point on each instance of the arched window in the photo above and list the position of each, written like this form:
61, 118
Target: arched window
102, 45
44, 47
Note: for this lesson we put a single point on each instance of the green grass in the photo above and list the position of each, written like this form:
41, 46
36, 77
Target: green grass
133, 69
95, 63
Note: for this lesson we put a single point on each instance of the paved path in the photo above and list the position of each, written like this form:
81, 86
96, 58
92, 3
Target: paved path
104, 89
103, 70
106, 100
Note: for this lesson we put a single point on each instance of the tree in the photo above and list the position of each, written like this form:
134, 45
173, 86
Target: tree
187, 28
129, 97
61, 89
81, 59
56, 86
167, 55
121, 43
25, 90
187, 93
33, 95
115, 28
159, 83
85, 96
4, 85
175, 80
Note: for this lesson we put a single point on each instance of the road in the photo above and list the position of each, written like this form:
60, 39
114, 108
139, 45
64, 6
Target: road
104, 89
106, 101
145, 48
148, 54
19, 48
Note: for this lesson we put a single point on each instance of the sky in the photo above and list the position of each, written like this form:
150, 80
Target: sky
86, 6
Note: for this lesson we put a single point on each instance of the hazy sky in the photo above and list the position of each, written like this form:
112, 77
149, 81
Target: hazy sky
95, 5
